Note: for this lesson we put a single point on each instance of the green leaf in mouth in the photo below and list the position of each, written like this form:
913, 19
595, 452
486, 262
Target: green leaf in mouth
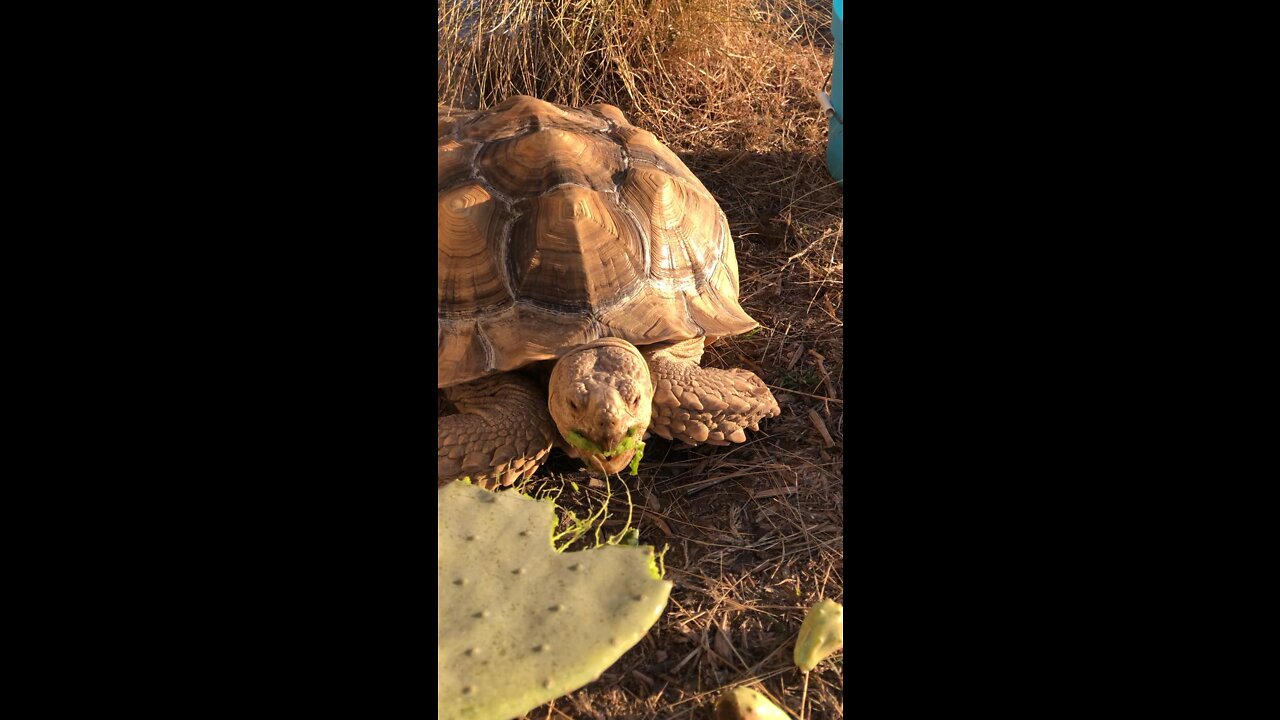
631, 442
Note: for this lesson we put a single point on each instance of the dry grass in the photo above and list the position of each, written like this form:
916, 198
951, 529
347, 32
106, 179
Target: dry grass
756, 530
697, 73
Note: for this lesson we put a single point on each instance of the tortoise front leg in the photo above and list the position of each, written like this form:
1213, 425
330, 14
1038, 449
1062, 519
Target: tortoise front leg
502, 431
695, 405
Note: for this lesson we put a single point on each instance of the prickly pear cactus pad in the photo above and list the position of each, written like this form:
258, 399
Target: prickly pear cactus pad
746, 704
821, 634
519, 624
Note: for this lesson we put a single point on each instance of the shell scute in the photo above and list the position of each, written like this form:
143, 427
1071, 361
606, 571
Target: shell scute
575, 250
469, 232
530, 163
521, 114
643, 147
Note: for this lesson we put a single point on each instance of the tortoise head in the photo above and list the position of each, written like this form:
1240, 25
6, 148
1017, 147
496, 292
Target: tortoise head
601, 397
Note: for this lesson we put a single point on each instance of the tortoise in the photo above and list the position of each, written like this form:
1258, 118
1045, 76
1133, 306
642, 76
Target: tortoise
582, 271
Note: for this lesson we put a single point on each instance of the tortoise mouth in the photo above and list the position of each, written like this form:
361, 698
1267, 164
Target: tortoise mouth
608, 465
627, 452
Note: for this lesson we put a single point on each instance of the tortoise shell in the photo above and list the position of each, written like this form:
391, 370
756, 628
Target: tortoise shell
558, 226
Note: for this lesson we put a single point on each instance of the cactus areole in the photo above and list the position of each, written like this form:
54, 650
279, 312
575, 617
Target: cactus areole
519, 624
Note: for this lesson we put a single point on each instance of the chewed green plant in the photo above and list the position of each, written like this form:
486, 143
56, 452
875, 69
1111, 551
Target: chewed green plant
628, 535
631, 442
519, 623
575, 528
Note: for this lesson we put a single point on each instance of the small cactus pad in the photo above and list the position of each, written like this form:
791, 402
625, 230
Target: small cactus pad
746, 704
519, 624
821, 634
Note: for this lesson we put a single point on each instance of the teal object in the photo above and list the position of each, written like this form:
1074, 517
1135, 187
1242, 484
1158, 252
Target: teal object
835, 124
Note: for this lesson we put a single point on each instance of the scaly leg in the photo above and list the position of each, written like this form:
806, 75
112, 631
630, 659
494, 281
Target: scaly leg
695, 405
502, 431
